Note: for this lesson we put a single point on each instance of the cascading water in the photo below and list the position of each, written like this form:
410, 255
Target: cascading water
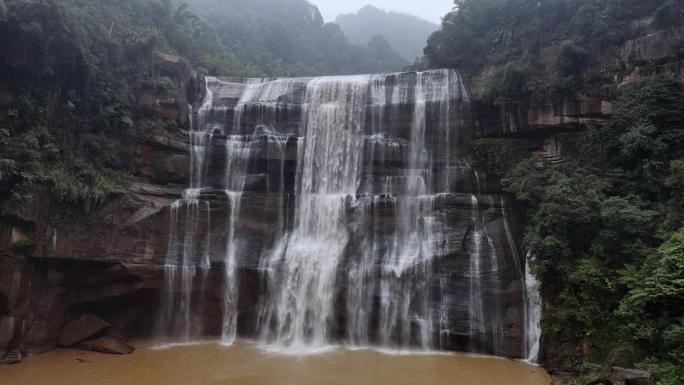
476, 319
305, 271
187, 260
532, 314
348, 206
532, 298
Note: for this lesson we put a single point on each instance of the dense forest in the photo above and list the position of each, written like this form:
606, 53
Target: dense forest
72, 74
502, 45
69, 75
407, 34
605, 226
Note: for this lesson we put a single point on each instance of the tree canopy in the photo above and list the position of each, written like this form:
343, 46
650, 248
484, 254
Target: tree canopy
516, 50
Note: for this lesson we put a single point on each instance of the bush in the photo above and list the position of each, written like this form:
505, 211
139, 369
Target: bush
82, 185
498, 156
507, 85
166, 83
571, 58
25, 246
669, 14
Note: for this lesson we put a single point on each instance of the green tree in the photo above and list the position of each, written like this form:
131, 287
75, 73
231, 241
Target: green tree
571, 58
653, 307
178, 24
3, 10
170, 16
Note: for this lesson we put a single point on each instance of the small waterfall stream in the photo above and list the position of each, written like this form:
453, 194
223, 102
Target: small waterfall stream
352, 202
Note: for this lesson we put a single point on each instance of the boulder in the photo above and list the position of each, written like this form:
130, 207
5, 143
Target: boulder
109, 345
620, 359
630, 376
175, 67
85, 327
639, 381
601, 381
13, 357
7, 328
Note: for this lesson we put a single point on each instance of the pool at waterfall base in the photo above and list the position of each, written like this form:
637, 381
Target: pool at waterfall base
247, 363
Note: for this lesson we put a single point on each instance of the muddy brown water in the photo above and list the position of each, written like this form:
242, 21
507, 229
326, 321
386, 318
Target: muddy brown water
248, 364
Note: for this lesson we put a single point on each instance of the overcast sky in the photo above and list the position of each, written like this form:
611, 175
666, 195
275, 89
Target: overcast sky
432, 10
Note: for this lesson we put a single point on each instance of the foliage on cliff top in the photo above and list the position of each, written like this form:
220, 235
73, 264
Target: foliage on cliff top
70, 73
519, 50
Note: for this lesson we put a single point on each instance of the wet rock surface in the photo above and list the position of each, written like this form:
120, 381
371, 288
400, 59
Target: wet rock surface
630, 376
12, 357
613, 376
108, 345
84, 327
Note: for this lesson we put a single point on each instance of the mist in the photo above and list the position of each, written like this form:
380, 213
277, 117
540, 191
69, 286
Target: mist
432, 10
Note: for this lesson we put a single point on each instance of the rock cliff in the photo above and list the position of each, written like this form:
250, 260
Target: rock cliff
109, 262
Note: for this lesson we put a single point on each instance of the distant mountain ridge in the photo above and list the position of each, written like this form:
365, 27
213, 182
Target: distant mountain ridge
290, 38
407, 34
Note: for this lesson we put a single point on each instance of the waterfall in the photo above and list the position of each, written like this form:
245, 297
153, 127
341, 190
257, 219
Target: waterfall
327, 177
532, 300
230, 298
187, 259
476, 320
352, 207
532, 314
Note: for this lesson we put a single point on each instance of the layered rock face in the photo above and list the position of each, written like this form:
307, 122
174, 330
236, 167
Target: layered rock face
302, 212
652, 51
342, 209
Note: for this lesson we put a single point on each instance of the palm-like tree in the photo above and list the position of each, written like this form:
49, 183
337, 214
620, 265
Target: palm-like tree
3, 9
170, 16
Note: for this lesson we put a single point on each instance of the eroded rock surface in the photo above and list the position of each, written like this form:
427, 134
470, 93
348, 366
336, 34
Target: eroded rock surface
84, 327
108, 345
